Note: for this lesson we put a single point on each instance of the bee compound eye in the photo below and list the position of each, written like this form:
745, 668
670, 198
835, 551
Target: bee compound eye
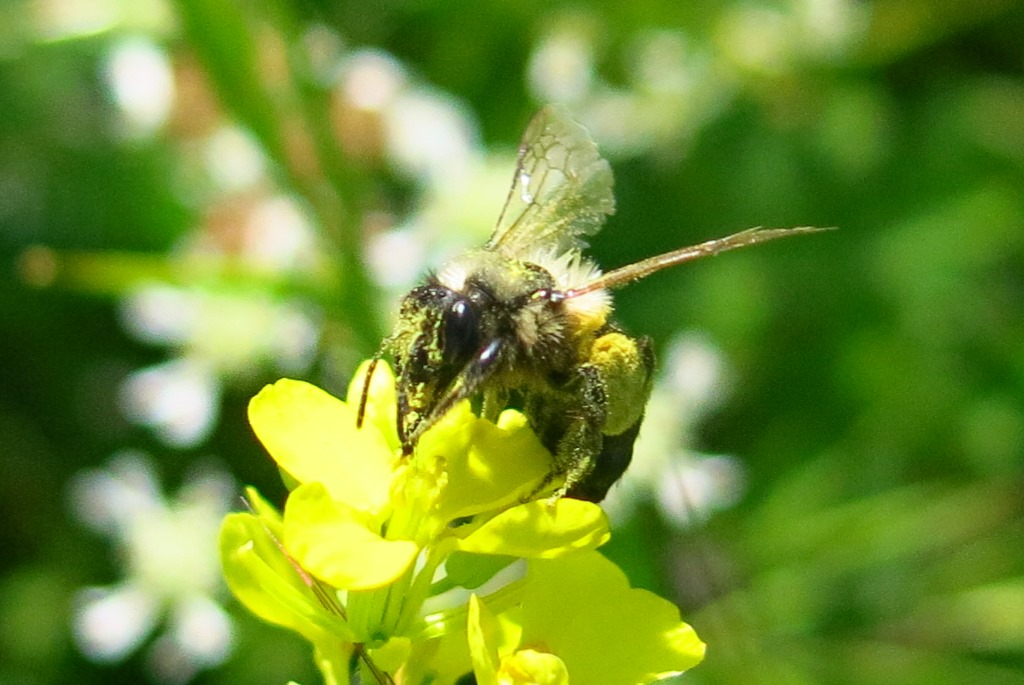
460, 331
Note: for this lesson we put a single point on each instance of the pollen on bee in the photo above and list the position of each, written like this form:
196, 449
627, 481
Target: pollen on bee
624, 369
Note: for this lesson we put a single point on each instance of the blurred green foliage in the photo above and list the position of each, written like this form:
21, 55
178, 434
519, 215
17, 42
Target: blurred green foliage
878, 404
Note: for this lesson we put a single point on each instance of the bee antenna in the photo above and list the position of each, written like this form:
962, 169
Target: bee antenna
634, 272
365, 395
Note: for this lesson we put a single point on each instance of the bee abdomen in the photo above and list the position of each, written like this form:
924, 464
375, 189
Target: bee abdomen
611, 463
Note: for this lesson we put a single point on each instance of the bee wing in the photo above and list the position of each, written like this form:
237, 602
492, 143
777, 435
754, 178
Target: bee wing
561, 190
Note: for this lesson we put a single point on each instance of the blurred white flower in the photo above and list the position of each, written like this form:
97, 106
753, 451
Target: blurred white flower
219, 334
758, 39
324, 50
561, 68
279, 237
450, 217
228, 331
371, 79
397, 256
234, 160
430, 136
672, 84
178, 399
687, 486
670, 89
427, 134
141, 82
831, 28
56, 20
172, 572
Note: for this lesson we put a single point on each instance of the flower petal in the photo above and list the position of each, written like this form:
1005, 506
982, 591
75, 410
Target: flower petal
617, 634
202, 630
111, 622
381, 400
530, 667
332, 541
541, 530
313, 437
489, 466
269, 584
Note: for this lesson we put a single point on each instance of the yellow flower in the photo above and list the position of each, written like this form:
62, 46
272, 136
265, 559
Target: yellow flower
374, 527
579, 620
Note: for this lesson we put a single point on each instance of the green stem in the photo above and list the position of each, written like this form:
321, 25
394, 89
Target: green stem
419, 591
222, 34
340, 202
395, 602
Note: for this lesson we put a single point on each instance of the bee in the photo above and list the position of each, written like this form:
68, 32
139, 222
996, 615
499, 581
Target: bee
526, 318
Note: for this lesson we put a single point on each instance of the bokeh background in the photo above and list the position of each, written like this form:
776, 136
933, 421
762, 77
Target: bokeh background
199, 197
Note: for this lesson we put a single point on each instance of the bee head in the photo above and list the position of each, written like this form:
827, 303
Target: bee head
443, 348
462, 331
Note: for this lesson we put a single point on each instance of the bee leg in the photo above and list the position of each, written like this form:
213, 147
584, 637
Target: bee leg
581, 440
573, 462
494, 402
568, 423
591, 424
575, 457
